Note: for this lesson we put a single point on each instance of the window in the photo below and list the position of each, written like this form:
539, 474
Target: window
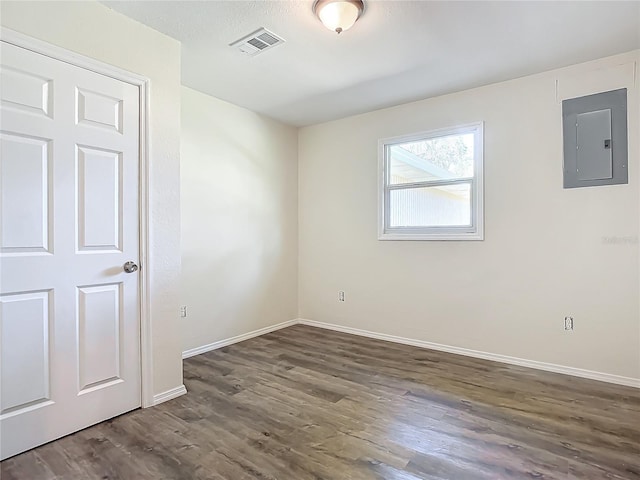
431, 185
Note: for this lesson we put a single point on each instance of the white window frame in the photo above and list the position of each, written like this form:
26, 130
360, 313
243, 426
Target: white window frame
475, 231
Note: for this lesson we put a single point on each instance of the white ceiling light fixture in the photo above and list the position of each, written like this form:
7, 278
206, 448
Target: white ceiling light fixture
338, 15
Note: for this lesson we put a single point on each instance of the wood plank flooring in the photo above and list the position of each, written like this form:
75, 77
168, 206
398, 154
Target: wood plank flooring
304, 403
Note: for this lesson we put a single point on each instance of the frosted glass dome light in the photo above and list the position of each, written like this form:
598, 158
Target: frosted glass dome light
338, 15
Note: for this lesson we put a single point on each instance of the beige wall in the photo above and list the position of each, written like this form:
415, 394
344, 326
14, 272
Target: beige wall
92, 29
239, 220
548, 252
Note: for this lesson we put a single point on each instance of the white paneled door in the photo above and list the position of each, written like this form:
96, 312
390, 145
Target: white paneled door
70, 334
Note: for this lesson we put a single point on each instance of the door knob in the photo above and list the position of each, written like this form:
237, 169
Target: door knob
130, 267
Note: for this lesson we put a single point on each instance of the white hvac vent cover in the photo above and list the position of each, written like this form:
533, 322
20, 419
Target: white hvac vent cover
257, 42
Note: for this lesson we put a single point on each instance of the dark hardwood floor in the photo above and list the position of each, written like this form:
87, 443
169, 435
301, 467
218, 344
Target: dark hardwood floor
304, 403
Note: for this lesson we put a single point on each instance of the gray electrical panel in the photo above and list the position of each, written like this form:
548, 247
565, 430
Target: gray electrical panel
595, 139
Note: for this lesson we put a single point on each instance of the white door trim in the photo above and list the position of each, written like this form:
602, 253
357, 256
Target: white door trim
38, 46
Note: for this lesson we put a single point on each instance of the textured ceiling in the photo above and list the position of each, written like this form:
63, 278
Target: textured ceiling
397, 52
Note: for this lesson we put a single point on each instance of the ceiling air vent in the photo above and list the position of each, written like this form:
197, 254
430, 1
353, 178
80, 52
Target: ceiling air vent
257, 42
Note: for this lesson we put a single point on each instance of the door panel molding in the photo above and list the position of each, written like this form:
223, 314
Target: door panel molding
26, 318
143, 83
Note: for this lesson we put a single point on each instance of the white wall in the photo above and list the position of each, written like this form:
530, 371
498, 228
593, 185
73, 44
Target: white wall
548, 252
239, 220
92, 29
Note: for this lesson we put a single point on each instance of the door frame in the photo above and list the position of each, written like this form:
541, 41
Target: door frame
143, 83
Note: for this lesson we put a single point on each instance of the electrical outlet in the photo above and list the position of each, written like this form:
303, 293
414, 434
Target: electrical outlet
341, 296
183, 311
568, 323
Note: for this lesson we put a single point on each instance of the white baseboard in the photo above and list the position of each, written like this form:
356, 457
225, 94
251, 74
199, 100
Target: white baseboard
549, 367
239, 338
169, 395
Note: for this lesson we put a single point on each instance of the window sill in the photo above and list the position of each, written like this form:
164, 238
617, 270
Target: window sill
432, 236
